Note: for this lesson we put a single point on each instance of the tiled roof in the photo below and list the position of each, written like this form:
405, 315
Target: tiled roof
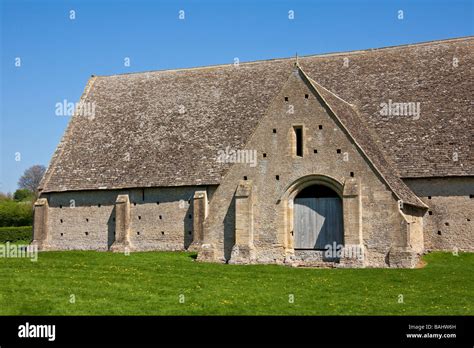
164, 128
361, 134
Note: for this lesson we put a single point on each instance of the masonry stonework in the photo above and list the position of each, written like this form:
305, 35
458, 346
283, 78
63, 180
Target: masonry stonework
448, 224
158, 219
376, 222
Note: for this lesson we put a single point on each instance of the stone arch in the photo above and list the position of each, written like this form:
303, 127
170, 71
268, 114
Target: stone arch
309, 180
286, 201
347, 191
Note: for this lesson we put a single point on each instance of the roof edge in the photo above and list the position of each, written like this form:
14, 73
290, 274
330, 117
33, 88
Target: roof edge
59, 149
315, 86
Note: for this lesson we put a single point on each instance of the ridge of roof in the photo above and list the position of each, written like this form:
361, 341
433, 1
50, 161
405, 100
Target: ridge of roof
283, 59
396, 185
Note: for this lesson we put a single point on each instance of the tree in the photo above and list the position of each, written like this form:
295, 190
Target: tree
31, 178
23, 195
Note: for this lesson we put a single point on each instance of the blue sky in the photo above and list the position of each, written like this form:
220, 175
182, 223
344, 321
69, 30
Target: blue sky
59, 54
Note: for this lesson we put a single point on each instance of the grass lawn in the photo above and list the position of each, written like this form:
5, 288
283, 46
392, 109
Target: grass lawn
152, 283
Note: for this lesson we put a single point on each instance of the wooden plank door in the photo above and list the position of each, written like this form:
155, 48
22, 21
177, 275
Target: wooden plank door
317, 222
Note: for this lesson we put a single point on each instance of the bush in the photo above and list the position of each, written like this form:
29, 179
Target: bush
16, 213
13, 234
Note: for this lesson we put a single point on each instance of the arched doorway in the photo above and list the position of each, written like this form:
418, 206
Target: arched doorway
318, 220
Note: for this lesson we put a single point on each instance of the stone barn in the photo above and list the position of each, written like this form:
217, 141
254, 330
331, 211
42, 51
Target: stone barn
355, 159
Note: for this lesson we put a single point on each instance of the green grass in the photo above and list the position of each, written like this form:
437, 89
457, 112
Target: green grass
150, 283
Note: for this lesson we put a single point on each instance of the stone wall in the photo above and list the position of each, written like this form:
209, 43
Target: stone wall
329, 152
160, 218
448, 223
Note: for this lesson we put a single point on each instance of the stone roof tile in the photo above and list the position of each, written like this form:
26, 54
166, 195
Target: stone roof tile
164, 128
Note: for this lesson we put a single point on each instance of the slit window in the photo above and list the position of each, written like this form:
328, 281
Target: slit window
298, 141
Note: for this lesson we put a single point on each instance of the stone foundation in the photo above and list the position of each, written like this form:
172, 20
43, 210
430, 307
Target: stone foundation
400, 257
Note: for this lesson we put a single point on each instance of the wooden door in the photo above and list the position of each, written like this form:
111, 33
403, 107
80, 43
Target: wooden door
317, 222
